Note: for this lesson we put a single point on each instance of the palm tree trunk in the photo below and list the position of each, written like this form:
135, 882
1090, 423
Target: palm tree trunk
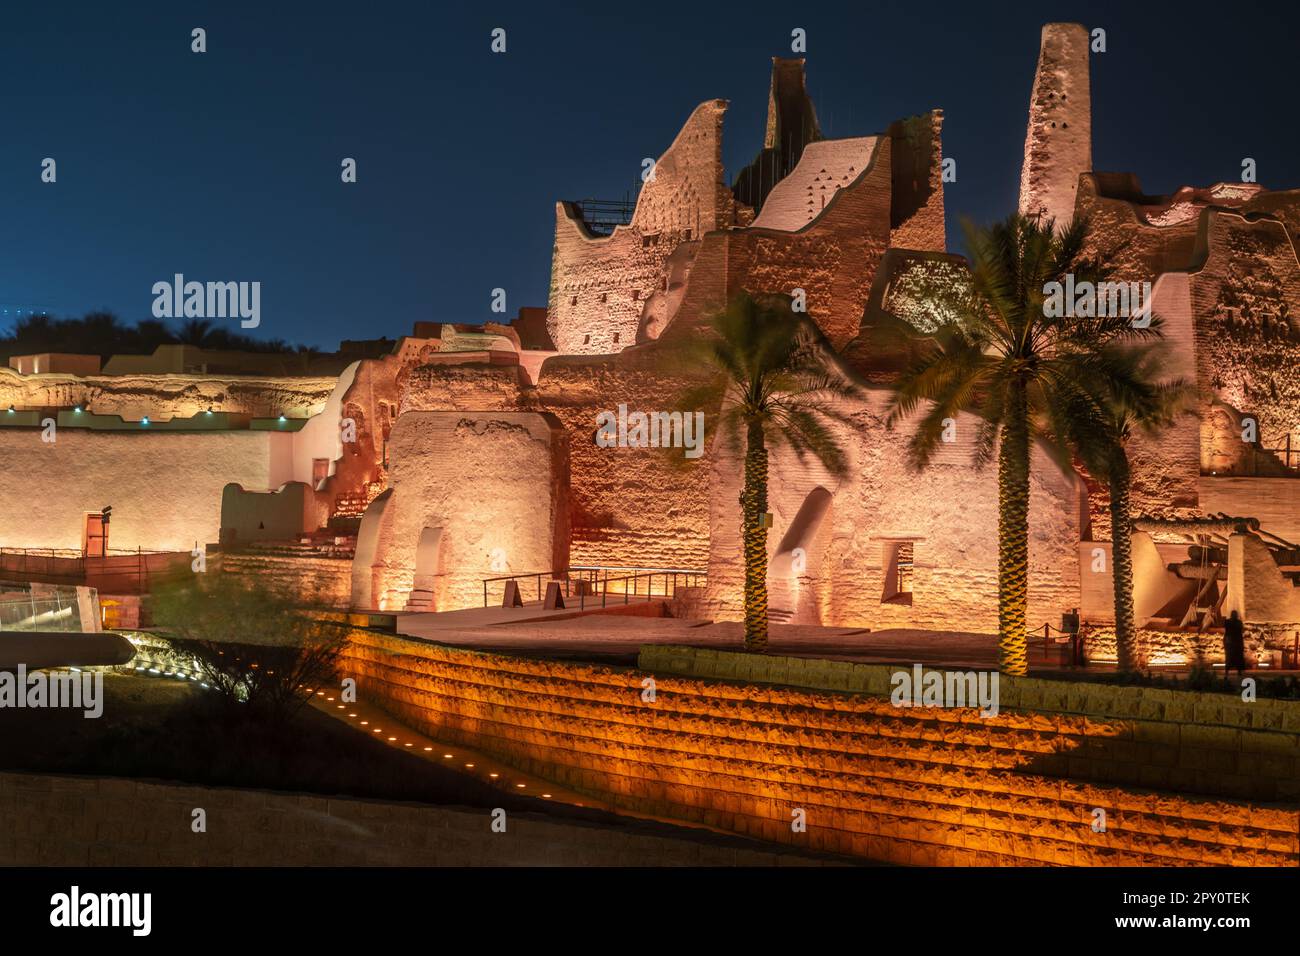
1013, 536
754, 506
1121, 564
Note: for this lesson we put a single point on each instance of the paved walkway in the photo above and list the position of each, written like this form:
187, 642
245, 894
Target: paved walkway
615, 638
471, 761
531, 631
433, 624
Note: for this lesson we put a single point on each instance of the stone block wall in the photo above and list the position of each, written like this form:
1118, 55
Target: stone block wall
1264, 643
921, 787
1188, 732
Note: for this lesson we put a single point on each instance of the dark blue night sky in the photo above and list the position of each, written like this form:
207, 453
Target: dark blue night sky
225, 165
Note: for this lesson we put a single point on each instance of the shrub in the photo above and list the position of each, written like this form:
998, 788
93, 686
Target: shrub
262, 655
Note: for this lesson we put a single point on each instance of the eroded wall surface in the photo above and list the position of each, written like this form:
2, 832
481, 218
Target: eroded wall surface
1246, 295
1058, 144
690, 246
646, 507
916, 216
493, 486
826, 168
630, 507
167, 396
833, 258
600, 285
1226, 279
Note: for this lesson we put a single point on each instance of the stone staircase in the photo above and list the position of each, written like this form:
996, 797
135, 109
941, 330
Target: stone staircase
420, 599
350, 506
322, 543
316, 569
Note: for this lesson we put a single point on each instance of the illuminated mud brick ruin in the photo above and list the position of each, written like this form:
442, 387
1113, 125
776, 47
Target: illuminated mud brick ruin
399, 475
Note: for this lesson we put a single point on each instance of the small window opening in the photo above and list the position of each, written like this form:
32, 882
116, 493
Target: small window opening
899, 562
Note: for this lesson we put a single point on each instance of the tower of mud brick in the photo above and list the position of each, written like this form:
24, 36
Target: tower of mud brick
1058, 143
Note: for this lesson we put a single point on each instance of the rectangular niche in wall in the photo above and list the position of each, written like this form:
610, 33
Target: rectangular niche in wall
898, 564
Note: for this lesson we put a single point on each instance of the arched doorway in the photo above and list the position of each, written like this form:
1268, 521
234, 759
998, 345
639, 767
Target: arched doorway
367, 569
428, 568
791, 565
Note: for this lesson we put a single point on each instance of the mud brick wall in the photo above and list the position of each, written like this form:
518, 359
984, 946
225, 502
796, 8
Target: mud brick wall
166, 487
481, 483
1058, 141
1246, 295
314, 581
916, 215
1264, 643
949, 512
600, 285
833, 258
634, 507
920, 787
87, 821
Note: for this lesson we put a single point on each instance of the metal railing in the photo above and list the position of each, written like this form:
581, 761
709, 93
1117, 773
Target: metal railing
602, 216
43, 608
1285, 453
1076, 639
43, 552
1263, 461
117, 570
592, 582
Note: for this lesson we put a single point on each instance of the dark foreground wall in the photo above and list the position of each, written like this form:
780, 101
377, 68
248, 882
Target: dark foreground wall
85, 821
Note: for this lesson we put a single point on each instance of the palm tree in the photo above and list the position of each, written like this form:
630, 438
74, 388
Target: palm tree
196, 332
96, 332
772, 379
1023, 370
148, 335
1138, 401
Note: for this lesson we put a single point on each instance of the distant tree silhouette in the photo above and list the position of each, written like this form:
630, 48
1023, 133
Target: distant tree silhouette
150, 333
104, 334
195, 332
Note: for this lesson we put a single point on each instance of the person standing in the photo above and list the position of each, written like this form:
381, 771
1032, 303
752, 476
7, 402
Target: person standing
1234, 644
